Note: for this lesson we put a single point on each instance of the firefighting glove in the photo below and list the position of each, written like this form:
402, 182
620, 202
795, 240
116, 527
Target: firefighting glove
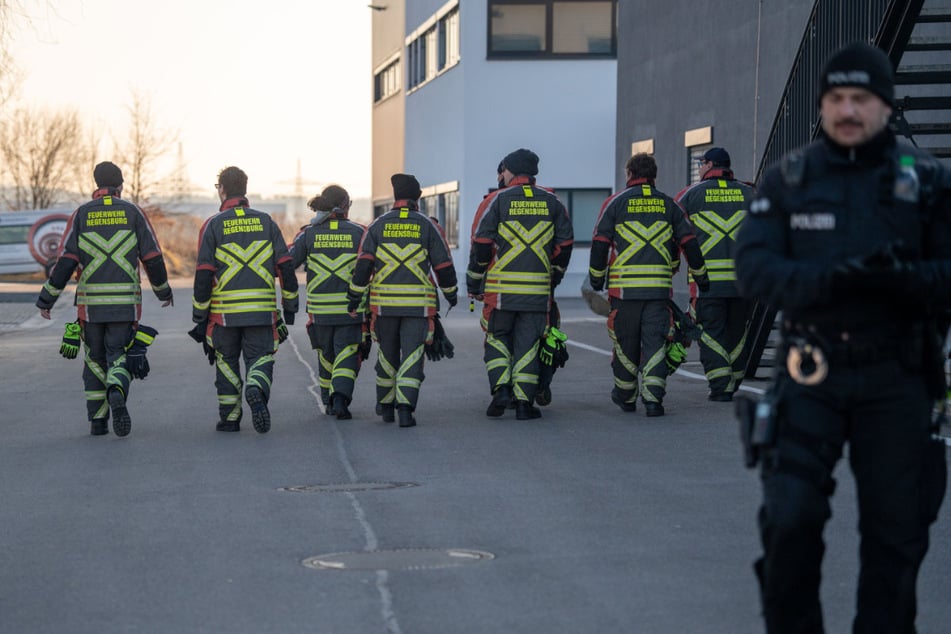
452, 297
70, 346
366, 344
281, 331
440, 346
597, 283
702, 281
198, 334
675, 354
135, 360
552, 351
353, 300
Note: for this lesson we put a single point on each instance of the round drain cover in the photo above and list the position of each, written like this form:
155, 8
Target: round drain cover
348, 486
398, 559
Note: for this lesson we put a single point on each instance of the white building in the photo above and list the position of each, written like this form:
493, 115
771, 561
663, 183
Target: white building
460, 84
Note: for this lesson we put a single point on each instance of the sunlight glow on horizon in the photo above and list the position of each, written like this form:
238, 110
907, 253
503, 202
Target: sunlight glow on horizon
261, 85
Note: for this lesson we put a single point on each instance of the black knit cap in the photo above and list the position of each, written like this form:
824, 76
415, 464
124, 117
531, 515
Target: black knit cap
107, 174
522, 161
718, 156
860, 65
405, 187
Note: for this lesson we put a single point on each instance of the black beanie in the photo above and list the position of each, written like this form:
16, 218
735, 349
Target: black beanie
859, 65
405, 187
522, 161
107, 174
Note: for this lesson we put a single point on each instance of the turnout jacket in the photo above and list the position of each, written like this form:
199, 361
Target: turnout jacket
240, 252
635, 238
824, 205
329, 251
399, 253
106, 239
716, 207
521, 246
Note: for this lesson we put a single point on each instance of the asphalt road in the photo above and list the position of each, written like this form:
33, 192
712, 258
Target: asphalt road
587, 520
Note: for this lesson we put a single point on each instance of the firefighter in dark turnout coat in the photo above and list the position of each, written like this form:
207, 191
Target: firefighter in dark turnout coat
328, 249
240, 253
399, 251
106, 239
850, 237
520, 249
631, 251
716, 206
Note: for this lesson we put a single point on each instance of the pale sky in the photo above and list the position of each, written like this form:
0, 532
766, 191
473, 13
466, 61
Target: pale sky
253, 83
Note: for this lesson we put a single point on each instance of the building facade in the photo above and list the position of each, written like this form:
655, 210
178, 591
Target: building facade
460, 84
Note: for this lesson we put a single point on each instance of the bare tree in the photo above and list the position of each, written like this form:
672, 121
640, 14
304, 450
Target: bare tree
144, 147
9, 74
39, 154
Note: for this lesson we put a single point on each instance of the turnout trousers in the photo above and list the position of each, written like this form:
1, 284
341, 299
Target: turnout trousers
105, 364
338, 357
401, 343
639, 330
257, 344
883, 411
511, 351
723, 349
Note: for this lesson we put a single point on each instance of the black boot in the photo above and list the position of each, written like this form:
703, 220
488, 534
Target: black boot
654, 409
228, 425
524, 410
618, 400
340, 408
406, 416
99, 426
387, 411
260, 416
543, 397
121, 421
500, 400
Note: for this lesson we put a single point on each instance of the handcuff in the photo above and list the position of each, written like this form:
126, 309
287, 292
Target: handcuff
806, 362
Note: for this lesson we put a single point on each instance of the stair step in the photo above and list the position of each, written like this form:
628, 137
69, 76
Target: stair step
924, 74
928, 44
924, 103
936, 14
931, 128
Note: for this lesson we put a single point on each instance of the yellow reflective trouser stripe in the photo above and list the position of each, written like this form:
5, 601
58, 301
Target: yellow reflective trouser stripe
521, 377
386, 379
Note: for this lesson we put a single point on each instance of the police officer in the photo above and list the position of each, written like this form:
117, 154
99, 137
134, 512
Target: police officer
328, 247
716, 207
849, 236
240, 253
520, 249
398, 254
107, 238
632, 256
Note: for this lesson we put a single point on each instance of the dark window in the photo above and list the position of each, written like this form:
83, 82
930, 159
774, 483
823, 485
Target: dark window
14, 234
552, 28
386, 82
583, 205
380, 209
694, 154
434, 50
445, 209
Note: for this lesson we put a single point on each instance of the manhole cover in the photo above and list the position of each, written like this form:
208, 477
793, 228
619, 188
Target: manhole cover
398, 559
341, 487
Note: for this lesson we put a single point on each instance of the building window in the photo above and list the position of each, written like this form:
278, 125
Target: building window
552, 28
386, 82
434, 47
583, 205
381, 208
444, 207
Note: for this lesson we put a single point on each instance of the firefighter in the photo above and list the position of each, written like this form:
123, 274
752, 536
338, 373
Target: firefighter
240, 253
716, 207
520, 249
398, 254
106, 239
631, 255
328, 249
850, 237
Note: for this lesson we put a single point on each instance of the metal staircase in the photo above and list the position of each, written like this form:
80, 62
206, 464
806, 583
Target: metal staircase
916, 35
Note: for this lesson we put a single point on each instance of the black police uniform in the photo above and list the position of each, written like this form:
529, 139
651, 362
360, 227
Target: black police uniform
805, 248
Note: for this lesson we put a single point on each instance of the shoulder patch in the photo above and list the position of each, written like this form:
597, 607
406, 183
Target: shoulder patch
793, 168
759, 206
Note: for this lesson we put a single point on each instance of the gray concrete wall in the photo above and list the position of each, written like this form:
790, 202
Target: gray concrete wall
683, 65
